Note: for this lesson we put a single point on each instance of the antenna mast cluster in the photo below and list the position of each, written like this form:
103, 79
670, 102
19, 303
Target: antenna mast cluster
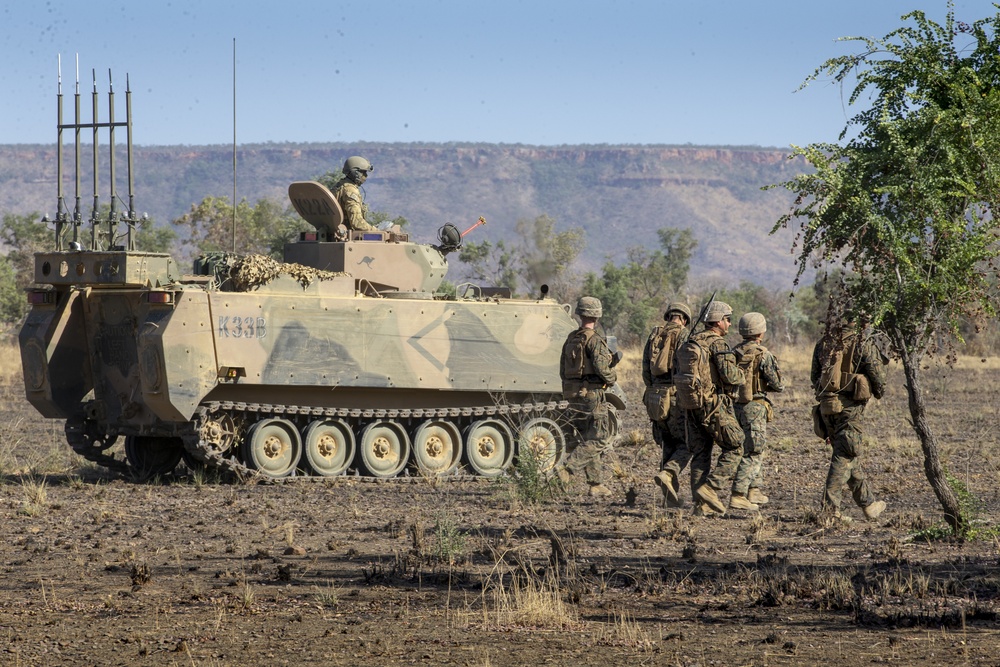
100, 238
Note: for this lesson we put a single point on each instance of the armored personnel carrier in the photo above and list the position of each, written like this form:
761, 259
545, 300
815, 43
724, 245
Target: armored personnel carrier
343, 358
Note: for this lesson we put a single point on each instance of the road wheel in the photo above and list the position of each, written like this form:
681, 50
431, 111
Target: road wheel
385, 448
545, 440
437, 447
329, 445
273, 447
489, 447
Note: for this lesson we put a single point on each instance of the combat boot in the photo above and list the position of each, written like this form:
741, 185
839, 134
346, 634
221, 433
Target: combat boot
702, 509
740, 502
756, 497
668, 483
599, 491
707, 495
872, 511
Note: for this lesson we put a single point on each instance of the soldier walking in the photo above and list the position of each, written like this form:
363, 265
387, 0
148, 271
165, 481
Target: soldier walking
706, 388
585, 370
753, 409
666, 418
847, 371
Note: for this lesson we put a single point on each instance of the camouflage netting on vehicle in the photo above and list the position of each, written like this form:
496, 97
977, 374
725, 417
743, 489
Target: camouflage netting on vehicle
251, 271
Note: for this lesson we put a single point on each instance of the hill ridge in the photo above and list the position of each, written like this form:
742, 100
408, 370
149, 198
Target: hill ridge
620, 195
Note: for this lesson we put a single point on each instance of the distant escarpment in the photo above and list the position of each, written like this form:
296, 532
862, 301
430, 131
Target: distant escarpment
620, 195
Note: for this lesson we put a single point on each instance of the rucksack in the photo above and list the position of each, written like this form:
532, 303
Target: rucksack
749, 362
838, 368
693, 375
575, 364
839, 379
661, 352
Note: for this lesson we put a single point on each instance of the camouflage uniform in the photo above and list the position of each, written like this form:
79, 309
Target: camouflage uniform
716, 423
352, 202
753, 416
583, 386
668, 433
844, 428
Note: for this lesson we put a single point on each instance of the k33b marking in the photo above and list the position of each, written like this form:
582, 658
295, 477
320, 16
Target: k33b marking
242, 327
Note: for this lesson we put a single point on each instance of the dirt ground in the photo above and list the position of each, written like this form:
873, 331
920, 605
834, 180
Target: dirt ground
98, 570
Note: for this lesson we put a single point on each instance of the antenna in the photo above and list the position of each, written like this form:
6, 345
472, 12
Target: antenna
112, 214
97, 197
234, 144
77, 216
60, 204
98, 239
131, 180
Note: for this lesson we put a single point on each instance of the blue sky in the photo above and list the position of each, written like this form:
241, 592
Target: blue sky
546, 72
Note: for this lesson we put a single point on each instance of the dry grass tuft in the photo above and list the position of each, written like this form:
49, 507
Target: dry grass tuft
328, 596
529, 603
623, 630
634, 438
36, 497
523, 600
245, 597
10, 362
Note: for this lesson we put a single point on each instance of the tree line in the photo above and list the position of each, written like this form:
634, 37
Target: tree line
633, 292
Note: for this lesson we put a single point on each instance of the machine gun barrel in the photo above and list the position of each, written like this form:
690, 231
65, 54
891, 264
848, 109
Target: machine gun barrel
481, 221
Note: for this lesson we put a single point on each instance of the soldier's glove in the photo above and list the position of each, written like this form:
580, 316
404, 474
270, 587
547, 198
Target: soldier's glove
615, 358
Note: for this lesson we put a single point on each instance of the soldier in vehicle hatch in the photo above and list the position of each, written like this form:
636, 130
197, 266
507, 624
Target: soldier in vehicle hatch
351, 197
585, 370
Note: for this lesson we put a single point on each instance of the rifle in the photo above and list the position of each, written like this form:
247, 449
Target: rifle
701, 315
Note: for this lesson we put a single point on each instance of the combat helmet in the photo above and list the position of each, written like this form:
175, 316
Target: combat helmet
356, 168
752, 324
678, 307
716, 311
588, 306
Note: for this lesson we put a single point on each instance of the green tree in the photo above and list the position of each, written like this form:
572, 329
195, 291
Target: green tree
540, 255
634, 293
491, 263
12, 302
547, 256
621, 316
263, 228
22, 236
908, 203
151, 237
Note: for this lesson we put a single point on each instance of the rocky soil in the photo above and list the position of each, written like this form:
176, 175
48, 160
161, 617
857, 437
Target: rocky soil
193, 570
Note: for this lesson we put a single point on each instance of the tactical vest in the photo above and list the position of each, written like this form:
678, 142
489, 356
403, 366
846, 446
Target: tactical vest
838, 368
750, 356
576, 364
661, 353
693, 374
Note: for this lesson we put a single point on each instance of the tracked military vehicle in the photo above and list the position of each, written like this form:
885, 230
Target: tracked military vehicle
344, 358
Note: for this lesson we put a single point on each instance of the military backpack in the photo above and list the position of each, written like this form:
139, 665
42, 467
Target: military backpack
839, 379
693, 375
748, 361
575, 363
661, 352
